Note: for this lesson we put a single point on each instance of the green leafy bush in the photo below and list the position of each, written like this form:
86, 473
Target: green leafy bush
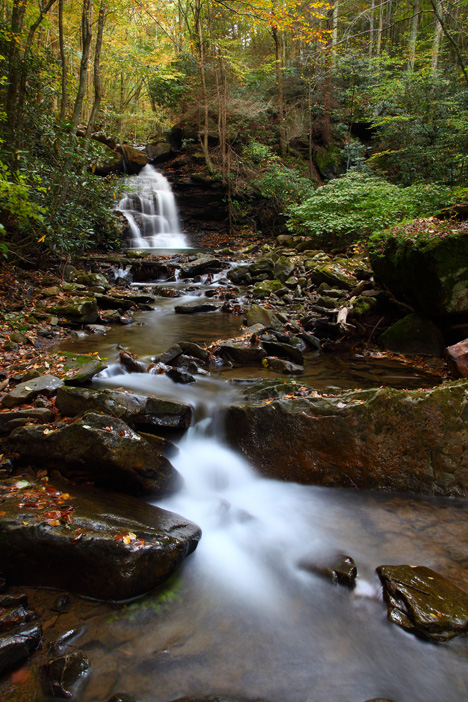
350, 208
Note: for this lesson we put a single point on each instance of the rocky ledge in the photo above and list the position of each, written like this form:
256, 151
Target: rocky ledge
103, 545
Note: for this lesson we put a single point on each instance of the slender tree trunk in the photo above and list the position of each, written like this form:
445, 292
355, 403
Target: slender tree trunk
24, 68
86, 36
279, 87
63, 61
16, 27
378, 48
414, 34
97, 67
206, 114
371, 28
439, 12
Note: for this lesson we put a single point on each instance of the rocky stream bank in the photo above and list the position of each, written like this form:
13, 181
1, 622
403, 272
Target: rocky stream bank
76, 460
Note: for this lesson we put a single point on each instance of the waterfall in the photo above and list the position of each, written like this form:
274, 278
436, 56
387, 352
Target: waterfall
151, 212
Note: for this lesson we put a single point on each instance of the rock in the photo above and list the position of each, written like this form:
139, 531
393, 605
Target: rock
121, 697
102, 448
218, 698
134, 159
340, 570
110, 162
33, 414
192, 349
423, 602
131, 364
413, 335
274, 348
432, 276
78, 310
380, 438
18, 645
79, 369
114, 302
279, 365
65, 677
261, 315
266, 288
114, 547
241, 354
92, 280
195, 307
180, 376
25, 392
334, 274
457, 359
169, 355
283, 268
363, 306
158, 152
240, 275
201, 265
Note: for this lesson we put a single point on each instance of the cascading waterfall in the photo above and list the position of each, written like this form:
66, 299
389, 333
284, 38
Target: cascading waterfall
151, 212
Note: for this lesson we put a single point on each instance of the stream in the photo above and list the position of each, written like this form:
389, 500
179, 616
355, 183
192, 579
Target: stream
242, 617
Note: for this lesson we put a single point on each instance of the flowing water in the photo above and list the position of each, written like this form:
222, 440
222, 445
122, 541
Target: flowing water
243, 617
151, 212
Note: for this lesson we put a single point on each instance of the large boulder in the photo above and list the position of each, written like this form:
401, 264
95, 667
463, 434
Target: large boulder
133, 159
423, 602
414, 335
373, 439
94, 543
430, 274
136, 410
101, 448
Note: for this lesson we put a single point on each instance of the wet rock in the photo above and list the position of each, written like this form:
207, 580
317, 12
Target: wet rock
80, 369
180, 376
241, 354
340, 570
378, 438
101, 448
261, 315
134, 159
280, 365
114, 302
201, 265
240, 275
18, 645
122, 698
11, 617
66, 639
33, 414
284, 351
65, 677
195, 307
114, 546
136, 410
413, 335
457, 359
26, 392
169, 355
130, 363
423, 602
219, 698
192, 349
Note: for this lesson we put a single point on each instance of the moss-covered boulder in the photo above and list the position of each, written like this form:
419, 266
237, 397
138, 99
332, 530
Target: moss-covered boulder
373, 439
431, 274
78, 310
413, 335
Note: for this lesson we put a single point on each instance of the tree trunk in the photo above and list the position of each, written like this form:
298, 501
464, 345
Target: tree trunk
279, 87
439, 11
206, 122
17, 19
63, 61
371, 28
378, 48
414, 34
86, 36
97, 71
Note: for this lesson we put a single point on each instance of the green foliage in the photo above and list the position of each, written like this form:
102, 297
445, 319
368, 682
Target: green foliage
422, 130
275, 181
350, 208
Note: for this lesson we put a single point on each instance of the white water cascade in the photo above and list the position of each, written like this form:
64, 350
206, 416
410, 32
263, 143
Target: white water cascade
151, 212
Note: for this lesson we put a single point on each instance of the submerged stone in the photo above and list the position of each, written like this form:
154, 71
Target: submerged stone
424, 602
65, 677
16, 646
414, 335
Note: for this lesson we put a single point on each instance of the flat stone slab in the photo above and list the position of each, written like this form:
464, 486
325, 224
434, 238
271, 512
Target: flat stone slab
17, 645
423, 602
30, 389
137, 410
103, 545
194, 308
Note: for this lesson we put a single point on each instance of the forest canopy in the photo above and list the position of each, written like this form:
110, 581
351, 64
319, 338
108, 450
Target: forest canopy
276, 97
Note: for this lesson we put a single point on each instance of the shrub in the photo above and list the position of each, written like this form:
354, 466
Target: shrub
350, 208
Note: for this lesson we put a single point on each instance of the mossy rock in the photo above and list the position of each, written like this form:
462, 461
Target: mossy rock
363, 306
414, 335
78, 310
430, 274
266, 287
